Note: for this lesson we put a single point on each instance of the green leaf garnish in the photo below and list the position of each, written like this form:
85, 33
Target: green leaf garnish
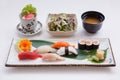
28, 9
37, 43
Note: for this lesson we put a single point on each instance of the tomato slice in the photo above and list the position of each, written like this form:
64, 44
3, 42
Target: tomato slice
29, 16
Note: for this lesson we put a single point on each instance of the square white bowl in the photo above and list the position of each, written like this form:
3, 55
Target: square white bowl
62, 33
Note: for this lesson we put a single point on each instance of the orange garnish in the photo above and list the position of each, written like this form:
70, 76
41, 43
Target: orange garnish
25, 45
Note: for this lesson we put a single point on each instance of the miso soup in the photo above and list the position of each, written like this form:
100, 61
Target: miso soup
92, 20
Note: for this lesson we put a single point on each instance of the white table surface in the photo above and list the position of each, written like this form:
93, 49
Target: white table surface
9, 18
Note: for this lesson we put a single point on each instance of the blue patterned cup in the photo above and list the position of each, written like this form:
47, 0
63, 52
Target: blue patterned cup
28, 24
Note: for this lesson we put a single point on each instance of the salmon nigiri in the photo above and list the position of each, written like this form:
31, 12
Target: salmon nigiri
61, 44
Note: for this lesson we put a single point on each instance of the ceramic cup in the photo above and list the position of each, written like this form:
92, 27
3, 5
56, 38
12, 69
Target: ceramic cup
28, 24
92, 21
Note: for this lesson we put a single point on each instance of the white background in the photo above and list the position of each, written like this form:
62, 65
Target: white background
9, 18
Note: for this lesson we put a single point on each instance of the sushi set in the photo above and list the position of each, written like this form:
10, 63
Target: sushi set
60, 52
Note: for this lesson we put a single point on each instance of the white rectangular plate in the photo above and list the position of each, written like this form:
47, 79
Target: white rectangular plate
13, 61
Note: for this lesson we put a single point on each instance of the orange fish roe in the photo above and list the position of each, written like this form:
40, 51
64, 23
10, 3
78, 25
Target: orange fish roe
25, 45
61, 44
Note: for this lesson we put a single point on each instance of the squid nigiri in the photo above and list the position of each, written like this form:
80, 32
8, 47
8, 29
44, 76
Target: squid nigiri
45, 49
67, 51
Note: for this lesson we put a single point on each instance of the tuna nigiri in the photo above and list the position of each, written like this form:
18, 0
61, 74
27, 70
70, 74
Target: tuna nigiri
61, 44
28, 55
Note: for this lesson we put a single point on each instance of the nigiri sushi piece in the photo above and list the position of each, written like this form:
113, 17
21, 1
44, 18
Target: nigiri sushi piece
62, 51
72, 51
67, 51
45, 49
52, 57
28, 55
61, 44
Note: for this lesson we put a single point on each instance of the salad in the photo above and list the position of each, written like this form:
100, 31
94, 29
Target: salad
62, 22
